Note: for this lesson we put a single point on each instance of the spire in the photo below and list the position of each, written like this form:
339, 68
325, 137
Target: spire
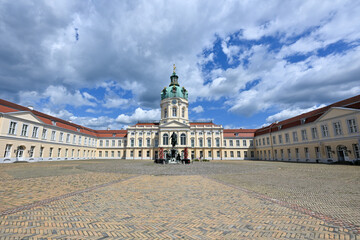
174, 78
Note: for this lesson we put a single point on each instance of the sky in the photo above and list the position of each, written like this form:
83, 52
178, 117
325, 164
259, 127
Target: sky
245, 64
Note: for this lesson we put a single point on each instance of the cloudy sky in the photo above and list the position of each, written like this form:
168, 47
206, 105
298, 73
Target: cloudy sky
245, 63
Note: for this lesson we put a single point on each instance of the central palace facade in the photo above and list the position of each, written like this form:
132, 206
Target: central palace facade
327, 134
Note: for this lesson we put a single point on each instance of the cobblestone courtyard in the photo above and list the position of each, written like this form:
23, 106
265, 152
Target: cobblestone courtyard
216, 200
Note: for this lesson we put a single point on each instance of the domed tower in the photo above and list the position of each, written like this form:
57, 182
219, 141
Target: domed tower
174, 102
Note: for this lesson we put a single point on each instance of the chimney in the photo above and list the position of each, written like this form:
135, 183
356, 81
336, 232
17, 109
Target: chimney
31, 107
108, 128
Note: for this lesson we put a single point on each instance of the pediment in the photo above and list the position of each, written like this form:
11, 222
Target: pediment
335, 112
174, 124
28, 116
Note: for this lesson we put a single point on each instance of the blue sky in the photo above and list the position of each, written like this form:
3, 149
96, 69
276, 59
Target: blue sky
245, 63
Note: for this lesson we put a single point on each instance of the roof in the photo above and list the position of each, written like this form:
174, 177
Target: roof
7, 107
202, 123
233, 133
309, 117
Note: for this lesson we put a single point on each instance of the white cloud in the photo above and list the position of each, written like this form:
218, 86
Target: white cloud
58, 96
198, 109
291, 112
139, 115
116, 103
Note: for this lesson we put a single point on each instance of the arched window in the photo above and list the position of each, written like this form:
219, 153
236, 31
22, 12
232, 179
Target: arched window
183, 139
165, 139
165, 113
174, 111
200, 142
209, 142
183, 112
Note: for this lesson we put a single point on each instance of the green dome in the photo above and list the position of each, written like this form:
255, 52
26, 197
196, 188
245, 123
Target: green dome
174, 91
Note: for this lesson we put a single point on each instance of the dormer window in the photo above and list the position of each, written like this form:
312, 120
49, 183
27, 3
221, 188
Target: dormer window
78, 129
114, 134
53, 123
236, 134
303, 120
279, 127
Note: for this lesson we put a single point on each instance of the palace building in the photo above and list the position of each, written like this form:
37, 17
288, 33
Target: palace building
327, 134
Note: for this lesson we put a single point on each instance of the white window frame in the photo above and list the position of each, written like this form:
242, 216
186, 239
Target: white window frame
35, 132
12, 128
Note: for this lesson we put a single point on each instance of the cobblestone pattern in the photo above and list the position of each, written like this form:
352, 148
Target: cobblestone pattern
166, 207
24, 184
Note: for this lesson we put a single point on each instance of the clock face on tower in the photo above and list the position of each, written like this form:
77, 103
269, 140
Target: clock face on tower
174, 101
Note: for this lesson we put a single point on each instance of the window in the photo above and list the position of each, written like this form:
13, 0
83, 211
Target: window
50, 152
112, 154
192, 142
66, 152
218, 154
7, 150
100, 153
356, 151
192, 133
324, 131
131, 153
61, 137
232, 154
282, 154
209, 154
280, 139
107, 143
238, 154
165, 113
304, 135
263, 141
74, 140
35, 132
165, 139
289, 154
183, 139
225, 154
118, 154
200, 142
156, 142
24, 130
231, 143
147, 153
68, 138
174, 111
267, 140
252, 154
106, 154
295, 137
140, 142
314, 133
209, 142
183, 112
317, 152
337, 128
244, 143
85, 141
140, 133
306, 150
31, 151
352, 126
113, 143
275, 154
328, 152
224, 143
72, 152
139, 153
274, 139
287, 138
101, 143
132, 142
79, 140
297, 153
148, 142
251, 143
217, 140
59, 152
12, 128
238, 143
41, 152
119, 143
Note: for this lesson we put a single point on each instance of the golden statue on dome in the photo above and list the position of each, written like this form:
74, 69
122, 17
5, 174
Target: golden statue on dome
174, 68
